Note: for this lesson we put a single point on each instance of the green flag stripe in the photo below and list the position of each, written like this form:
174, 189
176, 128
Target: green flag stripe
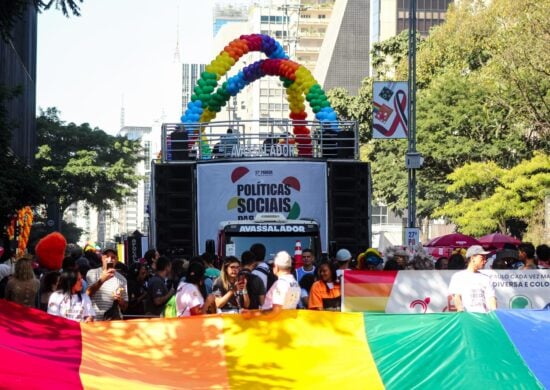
446, 351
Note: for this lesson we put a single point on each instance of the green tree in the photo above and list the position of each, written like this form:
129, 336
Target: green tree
356, 108
480, 98
11, 11
491, 197
77, 162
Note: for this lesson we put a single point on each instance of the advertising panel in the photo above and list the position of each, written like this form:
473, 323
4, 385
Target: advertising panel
239, 190
390, 105
427, 291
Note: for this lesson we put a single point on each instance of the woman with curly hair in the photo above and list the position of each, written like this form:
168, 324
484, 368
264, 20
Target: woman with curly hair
23, 287
325, 292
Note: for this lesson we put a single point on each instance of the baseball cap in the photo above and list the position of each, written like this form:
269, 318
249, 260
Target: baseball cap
111, 250
283, 260
475, 250
343, 255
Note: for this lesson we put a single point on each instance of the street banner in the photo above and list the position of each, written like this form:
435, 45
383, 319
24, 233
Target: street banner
239, 190
390, 109
427, 291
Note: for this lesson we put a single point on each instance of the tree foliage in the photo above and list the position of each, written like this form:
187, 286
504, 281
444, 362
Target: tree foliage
491, 196
77, 162
355, 108
11, 11
483, 97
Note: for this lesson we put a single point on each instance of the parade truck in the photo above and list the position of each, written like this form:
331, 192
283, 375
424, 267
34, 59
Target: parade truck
229, 185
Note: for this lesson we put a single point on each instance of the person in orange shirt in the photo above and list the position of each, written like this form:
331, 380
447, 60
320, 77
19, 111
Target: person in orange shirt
325, 292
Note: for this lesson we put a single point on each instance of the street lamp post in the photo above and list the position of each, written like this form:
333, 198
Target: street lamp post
413, 159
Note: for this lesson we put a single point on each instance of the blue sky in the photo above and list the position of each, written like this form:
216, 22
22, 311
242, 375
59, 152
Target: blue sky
119, 48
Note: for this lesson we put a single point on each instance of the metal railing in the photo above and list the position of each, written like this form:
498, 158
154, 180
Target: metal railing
273, 138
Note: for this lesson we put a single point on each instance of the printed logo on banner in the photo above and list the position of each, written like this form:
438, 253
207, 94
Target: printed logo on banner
520, 302
422, 304
263, 197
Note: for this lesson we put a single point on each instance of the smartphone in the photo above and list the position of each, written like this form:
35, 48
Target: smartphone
110, 265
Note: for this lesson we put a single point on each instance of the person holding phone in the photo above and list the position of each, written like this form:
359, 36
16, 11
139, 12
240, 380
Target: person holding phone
230, 289
106, 285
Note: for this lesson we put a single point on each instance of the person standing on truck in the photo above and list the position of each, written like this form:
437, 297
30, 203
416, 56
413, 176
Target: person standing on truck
285, 292
227, 142
308, 268
230, 290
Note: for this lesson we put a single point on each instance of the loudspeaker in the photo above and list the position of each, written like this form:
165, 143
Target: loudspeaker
349, 205
175, 210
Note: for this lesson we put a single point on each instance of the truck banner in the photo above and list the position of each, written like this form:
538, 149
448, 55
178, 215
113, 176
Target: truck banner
237, 191
427, 291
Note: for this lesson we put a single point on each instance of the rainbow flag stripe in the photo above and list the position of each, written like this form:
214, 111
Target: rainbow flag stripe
371, 289
296, 350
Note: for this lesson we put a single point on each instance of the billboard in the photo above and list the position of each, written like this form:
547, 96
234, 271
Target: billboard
427, 291
239, 190
390, 109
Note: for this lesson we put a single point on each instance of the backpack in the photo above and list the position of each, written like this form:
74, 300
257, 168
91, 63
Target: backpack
170, 309
271, 278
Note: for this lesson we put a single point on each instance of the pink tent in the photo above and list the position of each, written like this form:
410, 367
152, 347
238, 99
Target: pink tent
497, 240
453, 240
444, 245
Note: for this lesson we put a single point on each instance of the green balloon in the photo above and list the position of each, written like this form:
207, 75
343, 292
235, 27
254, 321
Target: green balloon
194, 98
201, 82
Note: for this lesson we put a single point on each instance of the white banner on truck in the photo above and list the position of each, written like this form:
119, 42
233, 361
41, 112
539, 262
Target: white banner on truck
427, 291
239, 190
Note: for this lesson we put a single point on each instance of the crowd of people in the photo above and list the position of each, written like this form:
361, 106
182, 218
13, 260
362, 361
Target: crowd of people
93, 285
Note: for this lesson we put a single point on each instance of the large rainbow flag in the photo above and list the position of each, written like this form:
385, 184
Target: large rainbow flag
297, 350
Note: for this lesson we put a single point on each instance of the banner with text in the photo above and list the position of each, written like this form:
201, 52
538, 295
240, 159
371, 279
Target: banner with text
240, 190
390, 109
427, 291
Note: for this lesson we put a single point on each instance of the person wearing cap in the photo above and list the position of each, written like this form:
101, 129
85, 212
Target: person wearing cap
285, 292
106, 285
473, 291
343, 258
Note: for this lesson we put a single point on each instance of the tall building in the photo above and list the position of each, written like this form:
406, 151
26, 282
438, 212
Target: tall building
190, 74
18, 69
430, 13
313, 24
228, 13
345, 53
132, 215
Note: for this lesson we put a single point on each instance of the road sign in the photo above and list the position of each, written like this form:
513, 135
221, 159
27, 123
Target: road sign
412, 237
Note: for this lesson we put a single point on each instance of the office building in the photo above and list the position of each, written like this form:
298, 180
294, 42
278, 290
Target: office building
18, 70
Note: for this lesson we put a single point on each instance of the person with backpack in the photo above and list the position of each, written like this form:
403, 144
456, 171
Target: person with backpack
157, 291
285, 292
254, 285
262, 270
188, 299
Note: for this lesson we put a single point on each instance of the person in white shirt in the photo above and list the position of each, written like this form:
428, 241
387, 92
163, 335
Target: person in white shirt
68, 301
472, 291
189, 300
285, 292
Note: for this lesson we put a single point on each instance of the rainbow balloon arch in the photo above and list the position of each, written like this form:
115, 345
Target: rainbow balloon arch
209, 97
